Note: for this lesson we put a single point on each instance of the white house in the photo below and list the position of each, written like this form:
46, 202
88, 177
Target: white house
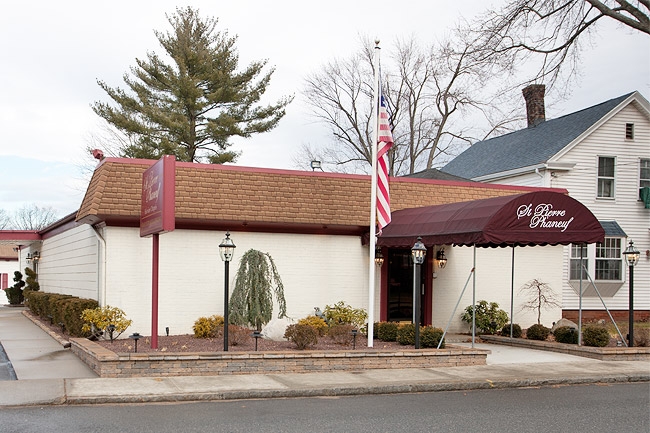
601, 156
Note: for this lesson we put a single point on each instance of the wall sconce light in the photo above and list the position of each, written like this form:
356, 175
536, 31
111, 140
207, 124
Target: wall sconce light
440, 257
379, 257
35, 257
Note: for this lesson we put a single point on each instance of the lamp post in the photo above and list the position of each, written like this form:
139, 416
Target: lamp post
227, 250
418, 251
632, 258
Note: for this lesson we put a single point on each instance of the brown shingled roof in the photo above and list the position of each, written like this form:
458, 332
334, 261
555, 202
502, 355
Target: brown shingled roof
242, 198
7, 253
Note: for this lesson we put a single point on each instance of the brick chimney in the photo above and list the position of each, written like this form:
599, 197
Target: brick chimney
535, 111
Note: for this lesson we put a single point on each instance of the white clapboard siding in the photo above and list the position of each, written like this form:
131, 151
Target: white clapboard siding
69, 263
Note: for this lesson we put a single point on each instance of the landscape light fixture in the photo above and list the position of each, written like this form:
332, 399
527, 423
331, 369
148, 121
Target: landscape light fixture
256, 335
227, 250
632, 256
418, 252
135, 337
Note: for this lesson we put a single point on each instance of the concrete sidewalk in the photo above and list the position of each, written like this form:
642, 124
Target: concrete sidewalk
64, 379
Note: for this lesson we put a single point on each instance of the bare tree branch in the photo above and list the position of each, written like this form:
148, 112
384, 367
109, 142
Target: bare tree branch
430, 93
32, 217
550, 32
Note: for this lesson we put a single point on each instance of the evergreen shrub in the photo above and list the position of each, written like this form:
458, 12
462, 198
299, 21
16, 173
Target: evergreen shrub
516, 331
406, 334
31, 280
566, 334
15, 293
61, 309
595, 336
430, 337
537, 332
208, 327
387, 331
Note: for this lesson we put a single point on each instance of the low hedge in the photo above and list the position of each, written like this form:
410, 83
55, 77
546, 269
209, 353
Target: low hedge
60, 309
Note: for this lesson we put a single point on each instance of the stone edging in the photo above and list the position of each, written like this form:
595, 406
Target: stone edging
600, 353
109, 364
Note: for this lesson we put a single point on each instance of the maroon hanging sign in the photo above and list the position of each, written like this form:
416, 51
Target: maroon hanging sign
157, 212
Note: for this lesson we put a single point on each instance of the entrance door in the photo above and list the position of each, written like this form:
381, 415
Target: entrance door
400, 287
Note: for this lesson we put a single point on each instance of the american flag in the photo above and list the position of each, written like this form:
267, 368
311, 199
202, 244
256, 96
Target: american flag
385, 141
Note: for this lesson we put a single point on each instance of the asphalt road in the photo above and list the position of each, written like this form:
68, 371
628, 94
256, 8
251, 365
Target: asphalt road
588, 408
6, 369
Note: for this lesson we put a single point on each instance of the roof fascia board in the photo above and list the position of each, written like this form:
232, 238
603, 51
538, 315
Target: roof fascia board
510, 173
634, 97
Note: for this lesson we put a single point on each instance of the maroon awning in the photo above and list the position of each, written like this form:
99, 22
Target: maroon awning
536, 218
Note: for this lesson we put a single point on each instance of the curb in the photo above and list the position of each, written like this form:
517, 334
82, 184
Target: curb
351, 391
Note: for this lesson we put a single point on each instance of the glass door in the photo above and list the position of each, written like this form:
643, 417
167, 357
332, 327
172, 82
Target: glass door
400, 287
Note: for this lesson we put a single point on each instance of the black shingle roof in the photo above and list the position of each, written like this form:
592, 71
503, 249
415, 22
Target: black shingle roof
613, 229
529, 146
433, 173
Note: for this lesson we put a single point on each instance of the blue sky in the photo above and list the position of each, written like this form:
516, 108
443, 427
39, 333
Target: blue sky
52, 54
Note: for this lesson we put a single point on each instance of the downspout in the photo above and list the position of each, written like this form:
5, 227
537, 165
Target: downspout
101, 268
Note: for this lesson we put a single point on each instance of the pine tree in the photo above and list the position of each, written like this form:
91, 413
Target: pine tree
251, 302
191, 107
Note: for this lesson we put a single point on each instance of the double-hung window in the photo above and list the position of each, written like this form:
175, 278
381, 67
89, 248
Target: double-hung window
609, 261
644, 174
575, 262
602, 271
606, 166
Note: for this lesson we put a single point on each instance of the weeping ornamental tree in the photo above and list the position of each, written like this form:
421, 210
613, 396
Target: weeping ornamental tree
257, 280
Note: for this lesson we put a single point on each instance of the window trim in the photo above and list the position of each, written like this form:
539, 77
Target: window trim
640, 179
598, 178
618, 257
606, 288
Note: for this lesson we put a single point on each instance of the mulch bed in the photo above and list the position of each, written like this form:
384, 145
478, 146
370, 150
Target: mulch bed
241, 342
189, 343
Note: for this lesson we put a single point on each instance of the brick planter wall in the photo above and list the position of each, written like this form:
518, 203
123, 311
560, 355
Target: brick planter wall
109, 364
595, 315
600, 353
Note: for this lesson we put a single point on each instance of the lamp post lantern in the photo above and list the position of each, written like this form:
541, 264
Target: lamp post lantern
227, 250
418, 252
632, 258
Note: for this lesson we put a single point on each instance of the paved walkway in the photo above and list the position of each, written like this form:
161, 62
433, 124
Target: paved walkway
49, 374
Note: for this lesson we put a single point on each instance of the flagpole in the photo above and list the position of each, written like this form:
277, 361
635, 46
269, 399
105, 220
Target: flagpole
373, 200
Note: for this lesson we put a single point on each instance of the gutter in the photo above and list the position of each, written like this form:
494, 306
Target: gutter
101, 268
